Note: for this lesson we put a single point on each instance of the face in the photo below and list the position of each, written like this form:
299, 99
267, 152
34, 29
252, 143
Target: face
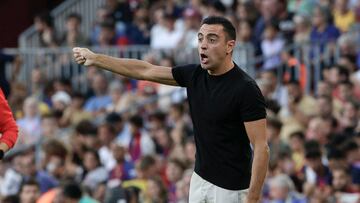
278, 193
345, 91
153, 189
90, 161
294, 92
323, 88
213, 47
296, 143
318, 17
244, 31
324, 107
105, 135
118, 152
173, 172
340, 179
314, 163
99, 84
72, 24
29, 194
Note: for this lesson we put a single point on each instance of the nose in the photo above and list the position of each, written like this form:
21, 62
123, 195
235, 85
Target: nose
203, 44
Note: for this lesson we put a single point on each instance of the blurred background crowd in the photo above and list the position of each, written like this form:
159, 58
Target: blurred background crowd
121, 140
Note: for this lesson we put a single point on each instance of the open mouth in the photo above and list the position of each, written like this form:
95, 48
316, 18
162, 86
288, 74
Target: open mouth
204, 58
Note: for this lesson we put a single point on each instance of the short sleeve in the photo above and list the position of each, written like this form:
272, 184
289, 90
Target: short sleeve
184, 74
253, 105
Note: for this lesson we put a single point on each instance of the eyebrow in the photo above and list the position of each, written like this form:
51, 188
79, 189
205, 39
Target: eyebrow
208, 35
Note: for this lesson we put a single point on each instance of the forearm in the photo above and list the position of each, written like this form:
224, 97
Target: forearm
132, 68
259, 169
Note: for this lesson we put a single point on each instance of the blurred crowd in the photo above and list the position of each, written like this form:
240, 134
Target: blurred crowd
116, 141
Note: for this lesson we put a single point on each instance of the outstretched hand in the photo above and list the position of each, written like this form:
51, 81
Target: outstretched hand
84, 56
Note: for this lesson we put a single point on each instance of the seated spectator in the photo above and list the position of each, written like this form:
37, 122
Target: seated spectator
271, 46
155, 192
29, 192
74, 113
106, 134
246, 11
12, 179
341, 181
189, 39
351, 150
316, 173
123, 169
95, 172
30, 125
107, 36
138, 32
296, 143
344, 17
282, 189
302, 7
174, 172
97, 104
166, 30
73, 36
323, 33
71, 192
140, 143
302, 29
276, 145
44, 25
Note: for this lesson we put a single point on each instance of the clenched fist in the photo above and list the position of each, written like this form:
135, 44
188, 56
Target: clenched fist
84, 56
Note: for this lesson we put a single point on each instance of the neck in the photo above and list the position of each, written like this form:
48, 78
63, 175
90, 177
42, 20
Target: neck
227, 65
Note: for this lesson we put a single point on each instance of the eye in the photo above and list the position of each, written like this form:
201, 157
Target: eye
200, 39
212, 40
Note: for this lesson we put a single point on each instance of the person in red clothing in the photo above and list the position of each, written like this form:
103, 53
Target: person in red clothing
8, 127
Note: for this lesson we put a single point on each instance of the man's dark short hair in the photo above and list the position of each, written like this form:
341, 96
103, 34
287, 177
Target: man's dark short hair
72, 190
75, 16
30, 182
227, 25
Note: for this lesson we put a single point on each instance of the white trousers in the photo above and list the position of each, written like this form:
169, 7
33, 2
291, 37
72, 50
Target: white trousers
202, 191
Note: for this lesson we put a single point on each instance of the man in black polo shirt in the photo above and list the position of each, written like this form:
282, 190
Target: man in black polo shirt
227, 109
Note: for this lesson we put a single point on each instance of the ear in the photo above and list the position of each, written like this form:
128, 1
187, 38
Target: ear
230, 46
